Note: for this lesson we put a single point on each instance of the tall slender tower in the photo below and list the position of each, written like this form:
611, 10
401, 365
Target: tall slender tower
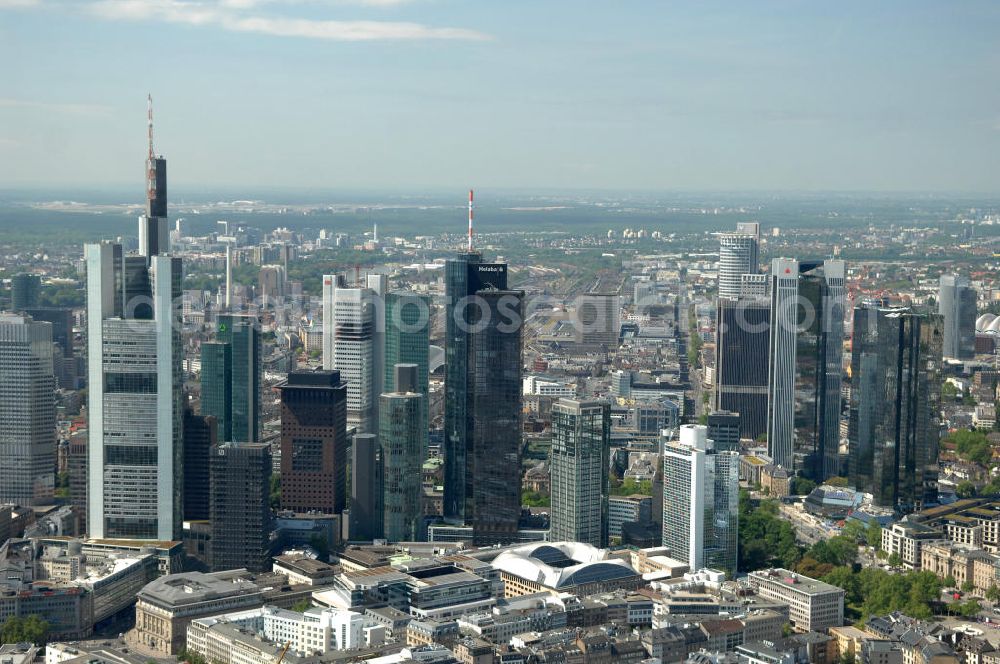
154, 234
895, 405
27, 411
579, 463
957, 304
805, 372
231, 371
135, 452
353, 343
402, 447
738, 255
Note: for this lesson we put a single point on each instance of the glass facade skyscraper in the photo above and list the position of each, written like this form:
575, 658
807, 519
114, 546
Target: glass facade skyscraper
805, 370
231, 370
465, 276
401, 439
895, 427
701, 501
27, 411
579, 471
135, 400
957, 304
743, 333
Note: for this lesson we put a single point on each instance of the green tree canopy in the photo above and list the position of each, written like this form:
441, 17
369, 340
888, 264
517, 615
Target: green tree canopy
30, 629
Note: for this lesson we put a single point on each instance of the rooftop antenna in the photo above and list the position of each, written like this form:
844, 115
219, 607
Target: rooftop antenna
470, 220
150, 165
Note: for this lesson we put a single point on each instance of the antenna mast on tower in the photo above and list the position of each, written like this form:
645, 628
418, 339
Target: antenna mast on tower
470, 221
151, 158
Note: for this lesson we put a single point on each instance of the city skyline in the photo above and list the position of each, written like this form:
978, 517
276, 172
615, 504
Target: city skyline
417, 94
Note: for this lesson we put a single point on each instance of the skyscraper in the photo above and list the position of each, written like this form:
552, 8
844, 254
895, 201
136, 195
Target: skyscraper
894, 426
579, 471
724, 430
135, 399
465, 275
738, 255
401, 439
200, 436
407, 341
957, 304
154, 233
805, 372
365, 522
314, 442
240, 513
25, 290
598, 321
494, 479
701, 501
353, 343
27, 411
231, 369
743, 333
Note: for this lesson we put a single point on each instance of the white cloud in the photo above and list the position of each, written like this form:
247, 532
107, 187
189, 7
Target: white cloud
230, 15
56, 107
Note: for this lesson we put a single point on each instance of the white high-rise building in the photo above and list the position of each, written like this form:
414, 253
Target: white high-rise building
353, 343
738, 255
27, 411
135, 397
701, 495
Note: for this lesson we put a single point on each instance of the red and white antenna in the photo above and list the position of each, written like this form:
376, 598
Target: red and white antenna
470, 220
150, 160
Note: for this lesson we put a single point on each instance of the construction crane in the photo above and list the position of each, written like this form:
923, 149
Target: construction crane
284, 651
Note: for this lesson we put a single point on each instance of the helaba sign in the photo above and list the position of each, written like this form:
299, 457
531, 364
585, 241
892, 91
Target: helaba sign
492, 268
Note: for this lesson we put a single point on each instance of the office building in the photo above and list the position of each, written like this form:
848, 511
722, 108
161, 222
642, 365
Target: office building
135, 400
894, 425
598, 321
465, 275
314, 442
200, 436
353, 343
401, 439
365, 522
813, 606
743, 334
64, 367
805, 372
738, 255
579, 471
628, 509
495, 475
27, 411
957, 304
240, 512
231, 370
407, 341
724, 430
700, 501
25, 291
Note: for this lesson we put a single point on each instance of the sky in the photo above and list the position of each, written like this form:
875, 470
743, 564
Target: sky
408, 95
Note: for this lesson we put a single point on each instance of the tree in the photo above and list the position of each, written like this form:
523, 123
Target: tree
967, 587
965, 489
895, 560
302, 605
32, 629
190, 657
838, 482
873, 535
275, 495
993, 593
971, 446
969, 609
802, 486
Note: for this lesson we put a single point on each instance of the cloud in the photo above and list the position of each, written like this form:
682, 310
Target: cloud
56, 107
230, 15
17, 4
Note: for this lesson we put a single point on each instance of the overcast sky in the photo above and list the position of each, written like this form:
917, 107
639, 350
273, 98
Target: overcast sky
399, 95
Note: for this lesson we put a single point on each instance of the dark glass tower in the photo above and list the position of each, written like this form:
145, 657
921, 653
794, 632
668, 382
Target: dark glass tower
742, 338
231, 378
200, 436
494, 479
239, 506
805, 372
407, 341
401, 439
25, 289
895, 406
957, 304
465, 275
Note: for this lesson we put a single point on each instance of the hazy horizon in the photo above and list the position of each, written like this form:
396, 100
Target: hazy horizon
440, 95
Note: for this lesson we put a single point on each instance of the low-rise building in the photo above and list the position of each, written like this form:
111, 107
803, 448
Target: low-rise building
906, 539
813, 605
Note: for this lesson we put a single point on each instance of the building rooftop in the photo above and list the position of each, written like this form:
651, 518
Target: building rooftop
562, 564
796, 582
194, 587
